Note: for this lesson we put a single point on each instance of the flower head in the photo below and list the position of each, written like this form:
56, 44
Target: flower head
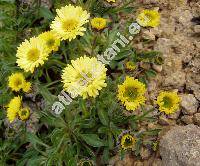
149, 18
24, 113
85, 77
31, 54
51, 40
16, 81
130, 65
13, 108
69, 22
126, 140
98, 23
131, 93
168, 102
110, 0
27, 87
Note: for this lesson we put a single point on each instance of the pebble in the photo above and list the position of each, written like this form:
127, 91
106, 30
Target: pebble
187, 119
189, 104
196, 119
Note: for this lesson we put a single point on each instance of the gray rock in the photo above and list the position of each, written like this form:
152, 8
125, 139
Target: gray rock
180, 146
187, 119
175, 115
197, 28
176, 79
189, 104
196, 119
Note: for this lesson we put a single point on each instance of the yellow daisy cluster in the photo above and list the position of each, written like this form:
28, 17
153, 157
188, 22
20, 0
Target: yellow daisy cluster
85, 77
15, 109
67, 25
98, 23
131, 93
149, 18
168, 102
17, 82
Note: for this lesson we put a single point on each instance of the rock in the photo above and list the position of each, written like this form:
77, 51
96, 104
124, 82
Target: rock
127, 161
145, 153
189, 104
181, 146
174, 115
157, 68
163, 45
157, 162
176, 79
163, 120
187, 119
138, 163
147, 34
196, 119
197, 28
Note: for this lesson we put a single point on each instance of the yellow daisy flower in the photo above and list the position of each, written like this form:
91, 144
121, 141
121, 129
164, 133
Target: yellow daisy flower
149, 18
69, 22
130, 65
98, 23
13, 108
24, 113
16, 81
84, 77
127, 142
31, 54
131, 93
51, 40
27, 87
111, 0
168, 102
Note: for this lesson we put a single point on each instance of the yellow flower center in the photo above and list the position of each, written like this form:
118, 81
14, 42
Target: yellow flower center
69, 25
33, 54
167, 102
18, 82
128, 141
50, 42
131, 93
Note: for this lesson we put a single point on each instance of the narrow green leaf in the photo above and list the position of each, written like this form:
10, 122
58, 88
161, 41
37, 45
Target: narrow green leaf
103, 116
93, 140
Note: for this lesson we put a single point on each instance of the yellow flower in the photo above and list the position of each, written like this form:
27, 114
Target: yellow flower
24, 113
51, 40
149, 18
131, 93
168, 102
27, 87
31, 54
13, 108
85, 77
16, 81
127, 142
98, 23
130, 65
110, 0
69, 22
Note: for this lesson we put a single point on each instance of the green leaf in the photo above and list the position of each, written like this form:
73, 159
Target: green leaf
151, 73
45, 13
103, 116
93, 140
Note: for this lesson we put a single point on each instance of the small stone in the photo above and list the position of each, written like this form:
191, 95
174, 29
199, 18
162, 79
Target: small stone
152, 126
157, 68
189, 104
196, 119
138, 163
197, 28
176, 79
187, 119
180, 146
147, 34
175, 115
145, 153
163, 120
157, 162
